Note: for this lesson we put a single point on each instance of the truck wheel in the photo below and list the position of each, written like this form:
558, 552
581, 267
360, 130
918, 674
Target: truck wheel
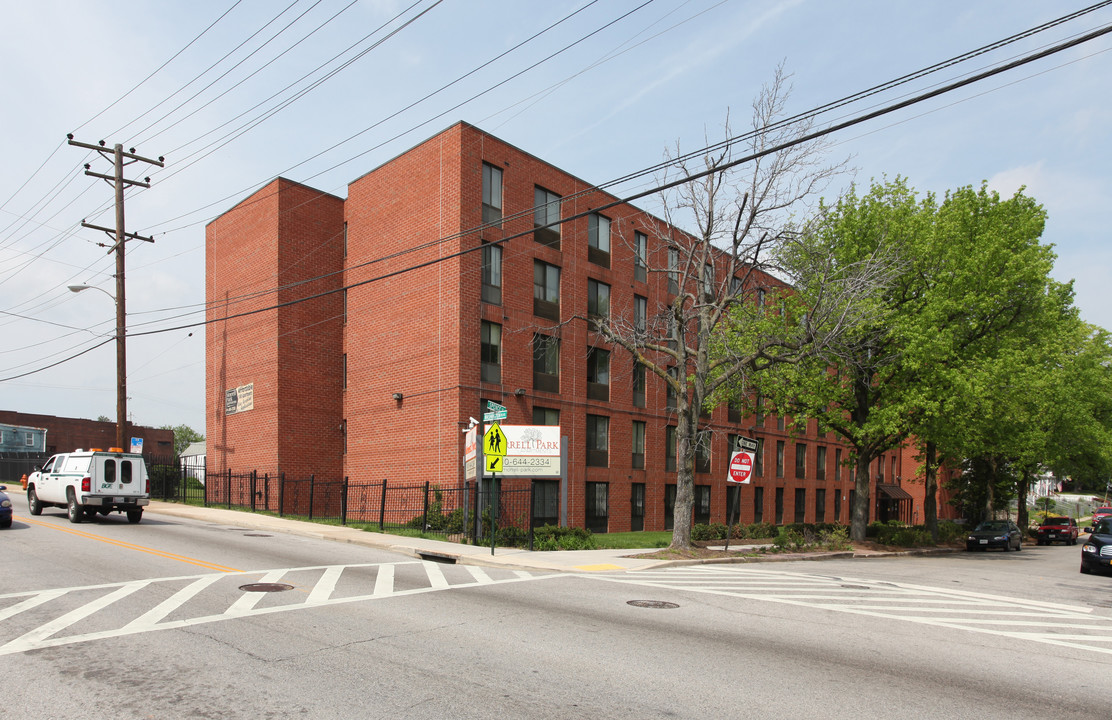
33, 505
73, 510
134, 516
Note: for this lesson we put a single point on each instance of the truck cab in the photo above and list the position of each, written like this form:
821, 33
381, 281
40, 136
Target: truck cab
87, 482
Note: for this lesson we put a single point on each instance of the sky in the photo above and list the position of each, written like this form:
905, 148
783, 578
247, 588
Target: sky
233, 94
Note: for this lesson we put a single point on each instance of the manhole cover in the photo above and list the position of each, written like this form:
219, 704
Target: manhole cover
255, 535
655, 604
265, 587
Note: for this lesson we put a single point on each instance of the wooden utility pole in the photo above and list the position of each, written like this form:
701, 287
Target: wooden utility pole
117, 179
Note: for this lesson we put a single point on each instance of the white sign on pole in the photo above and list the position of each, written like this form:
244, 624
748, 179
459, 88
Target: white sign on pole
531, 451
741, 467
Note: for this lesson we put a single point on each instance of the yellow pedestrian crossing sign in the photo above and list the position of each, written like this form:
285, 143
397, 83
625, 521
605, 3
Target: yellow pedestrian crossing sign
493, 463
494, 442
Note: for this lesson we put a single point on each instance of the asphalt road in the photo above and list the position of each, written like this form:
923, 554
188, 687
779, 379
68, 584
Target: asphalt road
152, 621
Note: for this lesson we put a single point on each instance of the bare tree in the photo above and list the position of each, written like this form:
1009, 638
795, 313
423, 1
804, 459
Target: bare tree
738, 197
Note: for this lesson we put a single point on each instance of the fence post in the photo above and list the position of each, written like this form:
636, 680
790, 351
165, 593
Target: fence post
344, 503
228, 489
266, 491
281, 494
466, 507
382, 509
312, 483
425, 518
254, 484
532, 490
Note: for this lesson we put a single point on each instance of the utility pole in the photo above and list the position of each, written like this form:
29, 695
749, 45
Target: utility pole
117, 179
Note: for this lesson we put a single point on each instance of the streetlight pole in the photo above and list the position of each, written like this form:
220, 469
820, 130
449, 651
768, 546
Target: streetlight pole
121, 353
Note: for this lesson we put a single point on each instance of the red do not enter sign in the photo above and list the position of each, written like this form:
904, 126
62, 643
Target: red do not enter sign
741, 466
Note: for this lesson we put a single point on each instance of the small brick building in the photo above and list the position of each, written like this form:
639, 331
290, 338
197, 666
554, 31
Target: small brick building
68, 434
411, 325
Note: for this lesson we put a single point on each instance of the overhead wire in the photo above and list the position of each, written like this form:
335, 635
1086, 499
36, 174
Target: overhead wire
891, 108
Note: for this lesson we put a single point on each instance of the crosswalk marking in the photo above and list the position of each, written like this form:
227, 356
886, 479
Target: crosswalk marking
1033, 620
73, 606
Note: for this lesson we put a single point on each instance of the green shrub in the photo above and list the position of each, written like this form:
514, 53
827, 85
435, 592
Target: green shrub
713, 531
759, 531
551, 537
835, 537
788, 540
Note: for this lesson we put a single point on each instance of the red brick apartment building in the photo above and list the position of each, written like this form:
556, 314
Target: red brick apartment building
416, 319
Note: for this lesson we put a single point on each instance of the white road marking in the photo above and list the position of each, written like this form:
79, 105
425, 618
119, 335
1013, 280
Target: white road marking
939, 607
322, 594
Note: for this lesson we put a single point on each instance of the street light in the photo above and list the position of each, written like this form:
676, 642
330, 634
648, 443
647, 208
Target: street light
121, 360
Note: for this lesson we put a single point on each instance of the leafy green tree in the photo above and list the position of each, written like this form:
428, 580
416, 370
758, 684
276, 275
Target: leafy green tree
971, 277
183, 436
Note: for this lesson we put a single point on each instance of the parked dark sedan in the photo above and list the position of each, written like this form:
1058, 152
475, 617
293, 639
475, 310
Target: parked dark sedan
5, 508
1096, 553
1003, 534
1058, 528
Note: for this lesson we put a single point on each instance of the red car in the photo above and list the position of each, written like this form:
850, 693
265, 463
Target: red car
1058, 528
1101, 512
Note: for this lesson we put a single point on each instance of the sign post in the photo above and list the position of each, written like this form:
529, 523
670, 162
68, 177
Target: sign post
494, 449
741, 470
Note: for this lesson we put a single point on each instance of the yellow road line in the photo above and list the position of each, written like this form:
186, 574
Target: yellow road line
129, 546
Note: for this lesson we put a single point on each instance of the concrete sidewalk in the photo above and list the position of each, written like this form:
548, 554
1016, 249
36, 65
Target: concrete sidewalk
517, 558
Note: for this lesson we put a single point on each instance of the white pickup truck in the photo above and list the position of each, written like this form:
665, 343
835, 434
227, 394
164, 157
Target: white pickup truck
87, 482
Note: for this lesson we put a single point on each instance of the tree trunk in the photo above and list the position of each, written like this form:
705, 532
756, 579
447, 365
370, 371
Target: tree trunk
990, 490
930, 493
1022, 518
685, 480
859, 519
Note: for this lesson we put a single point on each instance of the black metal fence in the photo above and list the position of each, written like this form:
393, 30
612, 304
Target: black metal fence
461, 513
14, 465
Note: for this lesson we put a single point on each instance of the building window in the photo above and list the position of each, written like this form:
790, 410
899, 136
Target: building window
702, 504
779, 422
598, 299
546, 212
670, 448
673, 271
546, 363
598, 374
779, 506
344, 378
800, 505
758, 504
669, 392
492, 274
598, 434
838, 505
733, 412
598, 239
800, 460
345, 239
598, 506
820, 463
640, 256
491, 352
546, 495
545, 416
880, 469
345, 310
638, 444
758, 411
637, 507
702, 451
820, 505
760, 298
779, 458
669, 506
837, 464
708, 286
546, 290
758, 458
344, 435
638, 385
492, 194
640, 314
